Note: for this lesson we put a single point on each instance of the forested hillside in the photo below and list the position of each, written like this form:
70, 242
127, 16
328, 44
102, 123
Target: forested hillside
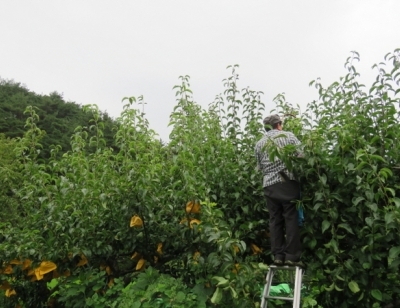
57, 117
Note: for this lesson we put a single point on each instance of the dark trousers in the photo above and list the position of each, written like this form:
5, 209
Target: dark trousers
284, 220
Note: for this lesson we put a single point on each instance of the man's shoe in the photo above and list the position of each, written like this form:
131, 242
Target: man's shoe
278, 262
294, 263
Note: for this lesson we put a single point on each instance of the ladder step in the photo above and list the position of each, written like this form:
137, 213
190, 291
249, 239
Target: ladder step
285, 267
282, 298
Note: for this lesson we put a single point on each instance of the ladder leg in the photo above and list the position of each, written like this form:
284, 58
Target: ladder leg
267, 288
301, 274
297, 287
295, 304
292, 277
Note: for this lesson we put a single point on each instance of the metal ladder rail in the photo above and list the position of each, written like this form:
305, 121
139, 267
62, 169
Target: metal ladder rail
299, 272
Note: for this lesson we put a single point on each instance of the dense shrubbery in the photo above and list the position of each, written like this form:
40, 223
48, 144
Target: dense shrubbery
351, 188
184, 224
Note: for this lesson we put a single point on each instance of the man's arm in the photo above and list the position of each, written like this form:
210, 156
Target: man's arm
293, 139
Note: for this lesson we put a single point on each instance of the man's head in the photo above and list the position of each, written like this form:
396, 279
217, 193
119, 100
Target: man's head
273, 121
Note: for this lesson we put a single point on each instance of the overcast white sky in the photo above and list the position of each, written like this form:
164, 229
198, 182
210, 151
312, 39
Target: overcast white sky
100, 51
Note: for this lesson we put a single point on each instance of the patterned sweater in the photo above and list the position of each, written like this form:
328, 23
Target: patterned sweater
271, 169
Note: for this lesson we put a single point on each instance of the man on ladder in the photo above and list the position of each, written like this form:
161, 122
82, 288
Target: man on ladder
280, 190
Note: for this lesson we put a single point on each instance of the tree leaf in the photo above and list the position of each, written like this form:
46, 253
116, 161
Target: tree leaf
323, 178
377, 294
357, 200
217, 296
389, 217
180, 296
325, 225
394, 252
353, 286
396, 201
346, 227
233, 292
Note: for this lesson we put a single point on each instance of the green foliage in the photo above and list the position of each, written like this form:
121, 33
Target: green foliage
9, 179
152, 289
56, 117
350, 175
89, 288
198, 216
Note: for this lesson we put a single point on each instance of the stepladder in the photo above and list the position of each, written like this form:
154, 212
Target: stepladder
295, 276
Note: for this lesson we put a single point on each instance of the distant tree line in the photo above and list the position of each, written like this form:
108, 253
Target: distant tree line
57, 117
